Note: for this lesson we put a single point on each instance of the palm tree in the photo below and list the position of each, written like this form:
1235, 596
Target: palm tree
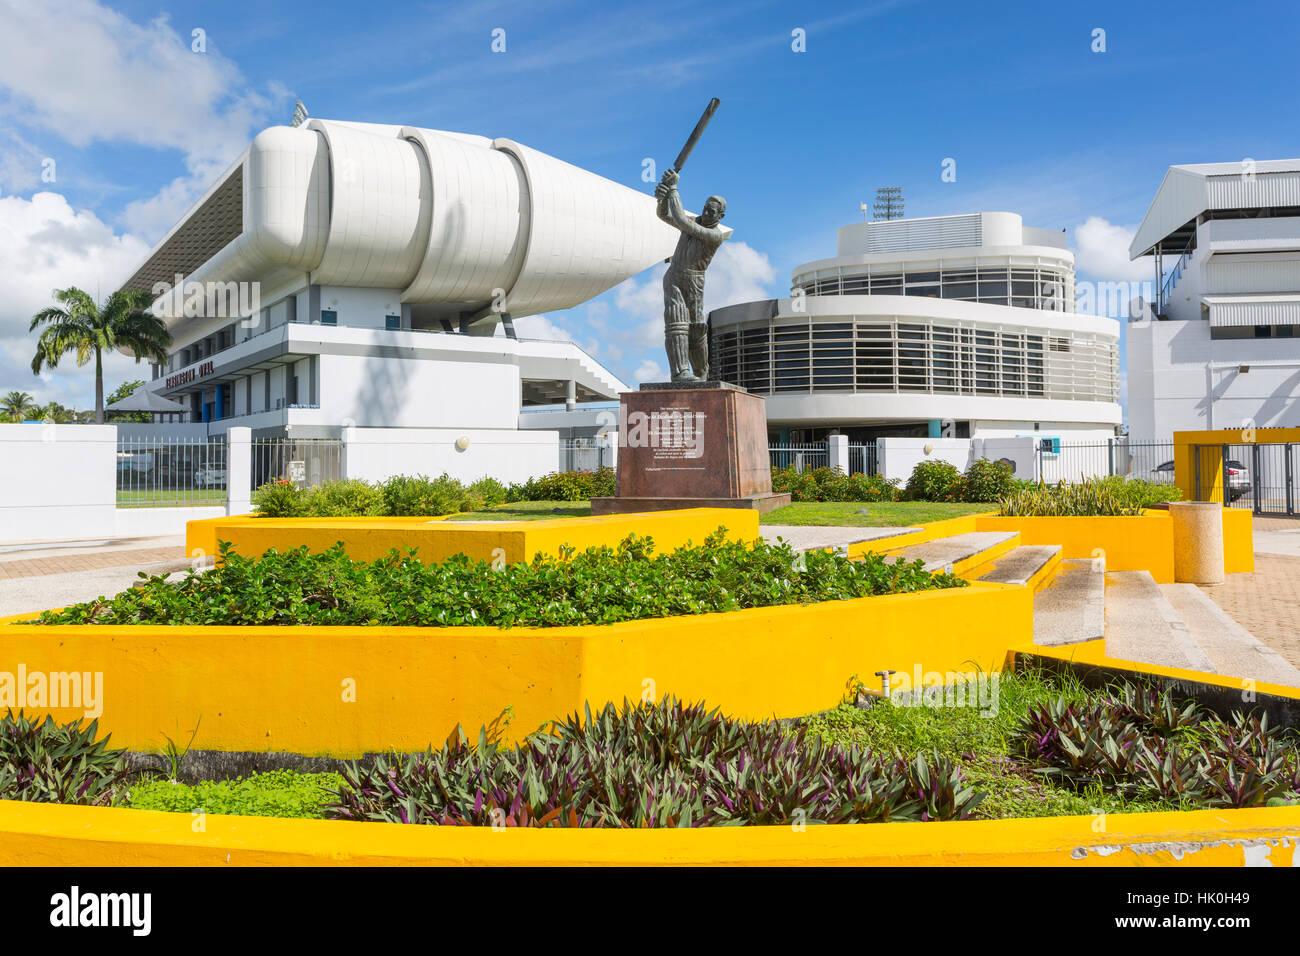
15, 405
83, 327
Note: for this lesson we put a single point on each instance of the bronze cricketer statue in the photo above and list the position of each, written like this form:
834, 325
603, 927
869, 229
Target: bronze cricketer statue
686, 331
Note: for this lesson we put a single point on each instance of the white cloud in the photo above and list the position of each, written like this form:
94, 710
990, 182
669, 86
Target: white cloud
88, 74
649, 371
54, 246
538, 327
1102, 251
738, 273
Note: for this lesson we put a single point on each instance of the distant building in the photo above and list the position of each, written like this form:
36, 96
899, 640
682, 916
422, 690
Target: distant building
960, 326
1219, 348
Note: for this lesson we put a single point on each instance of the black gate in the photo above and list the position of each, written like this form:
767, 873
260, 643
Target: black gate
1261, 477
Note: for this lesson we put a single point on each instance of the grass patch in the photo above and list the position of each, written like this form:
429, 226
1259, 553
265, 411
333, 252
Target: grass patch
880, 514
528, 511
170, 498
276, 793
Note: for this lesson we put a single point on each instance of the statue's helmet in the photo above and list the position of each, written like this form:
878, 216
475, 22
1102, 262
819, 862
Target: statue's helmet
720, 203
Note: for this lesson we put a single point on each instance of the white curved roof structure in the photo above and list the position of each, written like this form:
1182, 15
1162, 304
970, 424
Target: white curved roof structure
465, 226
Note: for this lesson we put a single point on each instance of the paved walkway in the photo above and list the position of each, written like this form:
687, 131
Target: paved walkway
1266, 603
17, 566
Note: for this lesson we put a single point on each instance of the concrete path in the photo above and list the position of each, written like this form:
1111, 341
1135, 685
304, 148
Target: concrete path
47, 576
810, 537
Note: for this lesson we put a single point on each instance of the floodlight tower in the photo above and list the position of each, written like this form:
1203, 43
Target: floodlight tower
889, 203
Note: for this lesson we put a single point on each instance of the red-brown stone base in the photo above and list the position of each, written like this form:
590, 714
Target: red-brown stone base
762, 503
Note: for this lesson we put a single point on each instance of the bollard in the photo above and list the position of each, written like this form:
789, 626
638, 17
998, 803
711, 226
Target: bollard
1198, 541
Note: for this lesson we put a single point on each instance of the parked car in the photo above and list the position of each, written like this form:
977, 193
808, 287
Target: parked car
210, 477
1238, 477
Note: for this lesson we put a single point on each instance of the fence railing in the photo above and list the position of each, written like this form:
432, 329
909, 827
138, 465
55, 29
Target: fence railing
585, 454
862, 459
304, 461
171, 472
800, 457
1070, 461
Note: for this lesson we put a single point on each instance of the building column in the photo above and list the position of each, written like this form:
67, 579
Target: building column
239, 470
218, 399
935, 429
570, 396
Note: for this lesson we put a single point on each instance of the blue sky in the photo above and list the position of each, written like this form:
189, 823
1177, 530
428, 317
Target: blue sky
138, 124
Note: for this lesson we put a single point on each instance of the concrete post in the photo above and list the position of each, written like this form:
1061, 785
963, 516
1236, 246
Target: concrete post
570, 395
837, 452
610, 441
1198, 541
239, 470
349, 434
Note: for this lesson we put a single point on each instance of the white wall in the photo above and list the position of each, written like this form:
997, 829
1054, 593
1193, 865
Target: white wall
57, 482
507, 455
898, 456
396, 393
1180, 379
1022, 451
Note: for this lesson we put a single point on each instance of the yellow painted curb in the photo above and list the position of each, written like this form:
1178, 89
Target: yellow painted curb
35, 834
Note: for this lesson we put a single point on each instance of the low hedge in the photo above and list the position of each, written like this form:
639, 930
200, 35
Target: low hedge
937, 480
596, 586
417, 495
831, 484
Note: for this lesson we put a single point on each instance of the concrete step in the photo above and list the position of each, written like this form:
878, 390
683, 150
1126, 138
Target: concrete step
814, 537
1071, 607
961, 552
1142, 626
1021, 565
1232, 649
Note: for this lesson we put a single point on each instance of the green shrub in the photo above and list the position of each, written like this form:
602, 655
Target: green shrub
280, 499
935, 480
597, 586
491, 491
831, 484
415, 495
987, 480
346, 497
276, 793
1140, 493
565, 486
654, 765
45, 762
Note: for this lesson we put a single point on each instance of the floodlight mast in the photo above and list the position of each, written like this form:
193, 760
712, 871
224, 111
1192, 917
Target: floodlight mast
888, 204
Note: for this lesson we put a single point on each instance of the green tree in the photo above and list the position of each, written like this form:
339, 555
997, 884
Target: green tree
56, 413
80, 325
16, 404
124, 391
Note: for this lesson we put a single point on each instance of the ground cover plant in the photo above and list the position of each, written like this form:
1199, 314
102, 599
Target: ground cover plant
653, 765
274, 793
45, 762
1112, 495
597, 586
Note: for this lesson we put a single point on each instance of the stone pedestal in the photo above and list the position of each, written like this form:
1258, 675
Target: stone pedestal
691, 445
1198, 542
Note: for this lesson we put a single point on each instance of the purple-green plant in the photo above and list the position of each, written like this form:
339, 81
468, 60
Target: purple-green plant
46, 762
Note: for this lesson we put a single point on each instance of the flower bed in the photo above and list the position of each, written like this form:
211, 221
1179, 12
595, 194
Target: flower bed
596, 586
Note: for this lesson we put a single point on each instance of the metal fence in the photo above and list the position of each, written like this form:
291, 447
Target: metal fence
1070, 461
170, 472
1261, 477
585, 454
800, 457
862, 459
306, 462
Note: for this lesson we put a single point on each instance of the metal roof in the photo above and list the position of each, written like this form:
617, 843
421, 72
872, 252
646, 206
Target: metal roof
1189, 190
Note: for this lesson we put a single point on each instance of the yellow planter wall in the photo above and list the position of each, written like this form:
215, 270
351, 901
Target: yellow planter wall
265, 689
436, 539
38, 834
